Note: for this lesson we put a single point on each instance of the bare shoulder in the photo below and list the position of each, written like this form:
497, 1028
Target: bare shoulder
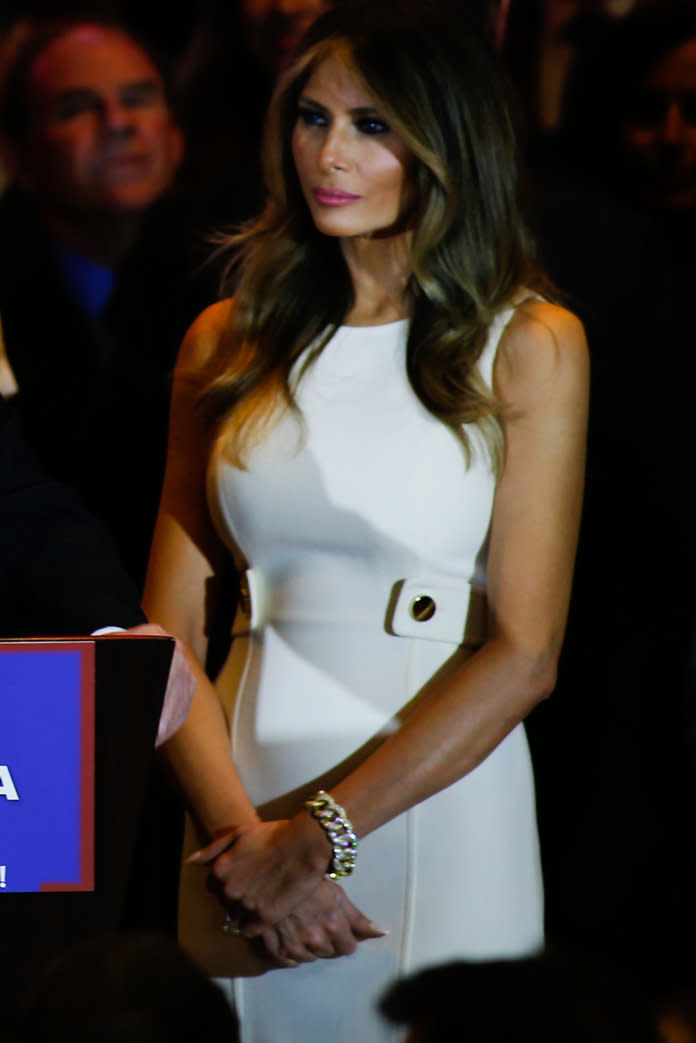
543, 347
204, 335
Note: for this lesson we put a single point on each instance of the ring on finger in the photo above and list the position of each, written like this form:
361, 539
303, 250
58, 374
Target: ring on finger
232, 924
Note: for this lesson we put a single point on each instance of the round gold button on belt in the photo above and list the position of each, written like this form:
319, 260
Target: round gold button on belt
422, 608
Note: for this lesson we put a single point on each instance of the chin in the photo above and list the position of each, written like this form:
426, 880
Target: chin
335, 232
352, 229
131, 199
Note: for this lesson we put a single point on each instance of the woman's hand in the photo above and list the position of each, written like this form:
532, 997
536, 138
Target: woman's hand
268, 868
325, 926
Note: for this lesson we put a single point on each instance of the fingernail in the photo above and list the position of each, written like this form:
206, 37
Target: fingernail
378, 927
195, 857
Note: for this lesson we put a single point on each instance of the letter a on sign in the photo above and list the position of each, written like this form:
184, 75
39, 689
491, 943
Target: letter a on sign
7, 786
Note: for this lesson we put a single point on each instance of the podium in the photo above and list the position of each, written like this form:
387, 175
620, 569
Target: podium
78, 720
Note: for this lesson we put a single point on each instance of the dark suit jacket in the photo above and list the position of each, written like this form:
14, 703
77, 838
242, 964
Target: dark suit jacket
60, 576
94, 394
59, 572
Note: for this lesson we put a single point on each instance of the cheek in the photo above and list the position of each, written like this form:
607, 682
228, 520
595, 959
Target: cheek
65, 153
300, 153
392, 179
391, 171
73, 145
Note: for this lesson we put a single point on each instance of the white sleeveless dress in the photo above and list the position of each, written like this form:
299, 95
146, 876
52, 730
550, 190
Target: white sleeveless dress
345, 518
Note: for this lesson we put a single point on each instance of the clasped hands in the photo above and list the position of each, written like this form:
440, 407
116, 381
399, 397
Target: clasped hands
272, 874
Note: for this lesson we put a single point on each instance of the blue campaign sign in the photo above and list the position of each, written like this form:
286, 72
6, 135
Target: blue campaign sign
46, 766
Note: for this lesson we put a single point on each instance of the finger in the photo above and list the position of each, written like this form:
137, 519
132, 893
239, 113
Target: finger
320, 930
295, 950
232, 892
316, 938
293, 938
336, 926
361, 926
363, 929
208, 854
271, 942
260, 914
344, 942
330, 938
254, 926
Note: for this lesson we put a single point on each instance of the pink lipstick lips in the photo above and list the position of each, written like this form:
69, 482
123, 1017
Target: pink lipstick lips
333, 197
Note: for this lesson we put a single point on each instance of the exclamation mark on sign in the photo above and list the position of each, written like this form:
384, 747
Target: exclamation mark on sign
3, 876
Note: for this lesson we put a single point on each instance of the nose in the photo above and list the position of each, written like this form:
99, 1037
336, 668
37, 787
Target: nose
117, 118
335, 151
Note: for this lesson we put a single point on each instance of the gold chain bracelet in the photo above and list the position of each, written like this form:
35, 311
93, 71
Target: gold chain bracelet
337, 826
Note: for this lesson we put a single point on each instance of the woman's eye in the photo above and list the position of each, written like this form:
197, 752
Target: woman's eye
371, 125
311, 118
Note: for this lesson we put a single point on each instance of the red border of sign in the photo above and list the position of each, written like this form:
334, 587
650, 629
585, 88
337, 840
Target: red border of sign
87, 744
86, 881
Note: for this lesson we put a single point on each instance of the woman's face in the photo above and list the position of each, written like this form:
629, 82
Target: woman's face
355, 173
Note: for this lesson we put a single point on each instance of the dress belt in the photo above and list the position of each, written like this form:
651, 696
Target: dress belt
430, 607
440, 609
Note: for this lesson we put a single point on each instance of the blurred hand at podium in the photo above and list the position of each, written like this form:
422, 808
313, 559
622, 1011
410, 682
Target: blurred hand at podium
59, 570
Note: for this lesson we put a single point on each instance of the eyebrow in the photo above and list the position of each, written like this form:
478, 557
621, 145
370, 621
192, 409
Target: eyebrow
153, 84
360, 110
75, 93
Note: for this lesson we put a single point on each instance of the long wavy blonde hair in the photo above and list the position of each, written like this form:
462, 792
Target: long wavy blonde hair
439, 88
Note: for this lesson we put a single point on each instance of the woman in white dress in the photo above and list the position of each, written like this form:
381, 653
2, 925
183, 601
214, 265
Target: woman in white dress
386, 429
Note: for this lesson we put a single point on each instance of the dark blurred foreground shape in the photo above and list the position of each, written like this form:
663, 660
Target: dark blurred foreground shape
125, 988
544, 999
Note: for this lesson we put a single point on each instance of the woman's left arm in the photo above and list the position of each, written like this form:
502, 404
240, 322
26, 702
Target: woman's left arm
541, 381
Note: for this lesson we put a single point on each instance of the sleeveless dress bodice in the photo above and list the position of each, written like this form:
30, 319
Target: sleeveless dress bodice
365, 530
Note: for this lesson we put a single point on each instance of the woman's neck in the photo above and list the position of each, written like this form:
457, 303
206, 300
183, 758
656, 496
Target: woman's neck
379, 270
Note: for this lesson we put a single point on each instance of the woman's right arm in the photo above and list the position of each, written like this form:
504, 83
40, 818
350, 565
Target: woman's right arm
182, 580
181, 588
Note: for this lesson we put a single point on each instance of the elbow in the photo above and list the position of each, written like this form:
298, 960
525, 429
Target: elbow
532, 647
543, 677
536, 670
